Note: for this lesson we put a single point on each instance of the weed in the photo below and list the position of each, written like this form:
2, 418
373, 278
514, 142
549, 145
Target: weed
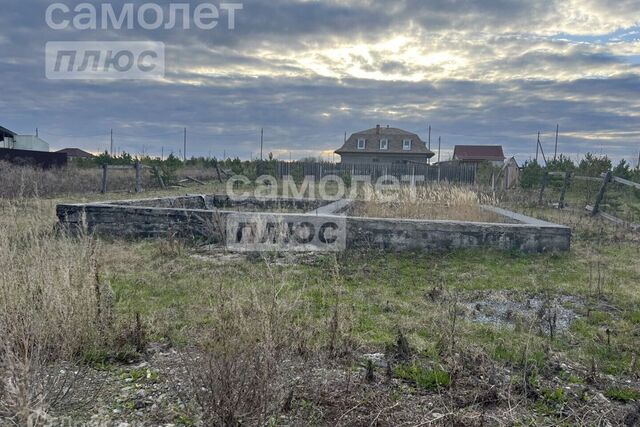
428, 379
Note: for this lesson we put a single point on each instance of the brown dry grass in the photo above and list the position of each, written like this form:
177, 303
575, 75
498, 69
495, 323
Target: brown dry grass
23, 181
52, 308
435, 201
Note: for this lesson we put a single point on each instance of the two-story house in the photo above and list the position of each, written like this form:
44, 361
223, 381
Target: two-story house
384, 145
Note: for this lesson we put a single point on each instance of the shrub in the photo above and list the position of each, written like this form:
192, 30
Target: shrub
238, 373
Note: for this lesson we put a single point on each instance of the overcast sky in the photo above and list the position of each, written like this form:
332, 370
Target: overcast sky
477, 71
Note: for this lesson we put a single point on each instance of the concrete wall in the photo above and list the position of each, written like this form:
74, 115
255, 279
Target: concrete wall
398, 235
206, 201
136, 221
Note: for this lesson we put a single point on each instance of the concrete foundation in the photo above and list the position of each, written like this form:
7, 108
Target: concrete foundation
205, 217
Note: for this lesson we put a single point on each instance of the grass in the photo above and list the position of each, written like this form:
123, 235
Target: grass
623, 394
436, 201
428, 379
178, 291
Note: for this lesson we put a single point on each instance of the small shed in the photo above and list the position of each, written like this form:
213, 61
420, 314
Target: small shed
510, 174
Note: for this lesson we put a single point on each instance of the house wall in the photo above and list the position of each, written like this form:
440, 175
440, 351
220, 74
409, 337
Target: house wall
358, 158
479, 162
29, 142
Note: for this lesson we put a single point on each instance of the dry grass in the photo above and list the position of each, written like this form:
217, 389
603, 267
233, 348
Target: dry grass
23, 181
52, 308
436, 201
280, 341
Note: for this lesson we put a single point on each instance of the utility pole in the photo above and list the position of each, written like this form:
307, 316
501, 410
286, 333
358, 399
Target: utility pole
555, 151
438, 149
184, 151
162, 154
429, 145
37, 133
111, 142
537, 146
345, 137
261, 141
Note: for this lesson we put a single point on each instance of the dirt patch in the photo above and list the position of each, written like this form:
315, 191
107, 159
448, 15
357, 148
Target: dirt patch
547, 315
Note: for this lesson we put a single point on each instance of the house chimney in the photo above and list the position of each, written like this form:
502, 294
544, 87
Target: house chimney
377, 129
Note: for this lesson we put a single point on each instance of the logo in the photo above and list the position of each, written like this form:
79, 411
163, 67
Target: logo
259, 232
104, 60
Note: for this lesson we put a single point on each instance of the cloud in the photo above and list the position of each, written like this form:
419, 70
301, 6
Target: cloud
308, 71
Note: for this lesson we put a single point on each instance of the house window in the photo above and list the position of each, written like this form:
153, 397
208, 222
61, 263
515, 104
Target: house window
361, 144
406, 144
384, 144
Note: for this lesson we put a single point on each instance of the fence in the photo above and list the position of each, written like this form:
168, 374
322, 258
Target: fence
450, 172
618, 205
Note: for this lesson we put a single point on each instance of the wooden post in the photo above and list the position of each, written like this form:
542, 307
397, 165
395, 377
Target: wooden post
157, 173
565, 185
600, 196
104, 178
545, 178
138, 167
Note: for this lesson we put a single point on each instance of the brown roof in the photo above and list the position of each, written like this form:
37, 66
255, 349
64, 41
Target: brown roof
478, 152
393, 135
76, 152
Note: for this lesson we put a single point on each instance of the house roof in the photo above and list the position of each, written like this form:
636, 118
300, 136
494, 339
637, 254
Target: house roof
478, 152
395, 137
7, 132
76, 152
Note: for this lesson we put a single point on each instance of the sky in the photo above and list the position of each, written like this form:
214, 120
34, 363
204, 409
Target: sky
476, 71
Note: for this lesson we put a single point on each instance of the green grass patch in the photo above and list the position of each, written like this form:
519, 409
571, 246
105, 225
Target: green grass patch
428, 379
623, 394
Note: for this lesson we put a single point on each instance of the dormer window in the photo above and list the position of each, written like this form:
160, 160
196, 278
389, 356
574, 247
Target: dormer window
384, 144
406, 144
362, 143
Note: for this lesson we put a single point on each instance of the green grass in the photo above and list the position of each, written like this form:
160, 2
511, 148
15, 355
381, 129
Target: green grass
428, 379
623, 394
378, 294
